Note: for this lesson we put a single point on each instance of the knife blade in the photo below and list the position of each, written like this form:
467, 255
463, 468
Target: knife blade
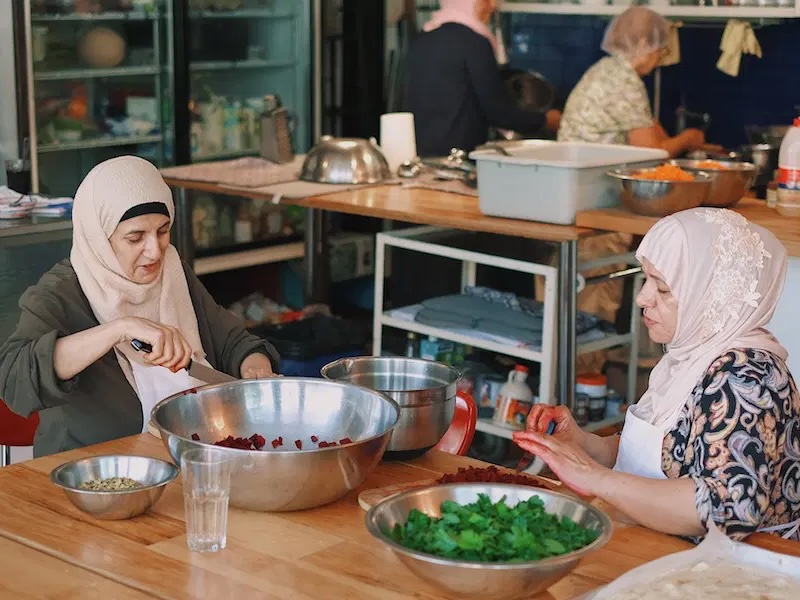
196, 370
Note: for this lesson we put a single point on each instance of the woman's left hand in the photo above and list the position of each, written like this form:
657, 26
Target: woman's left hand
256, 366
570, 463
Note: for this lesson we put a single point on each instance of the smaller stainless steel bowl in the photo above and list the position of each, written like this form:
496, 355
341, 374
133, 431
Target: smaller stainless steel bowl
152, 473
345, 161
659, 198
487, 581
730, 182
424, 389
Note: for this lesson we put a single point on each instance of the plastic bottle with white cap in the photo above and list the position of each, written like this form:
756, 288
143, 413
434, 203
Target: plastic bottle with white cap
788, 203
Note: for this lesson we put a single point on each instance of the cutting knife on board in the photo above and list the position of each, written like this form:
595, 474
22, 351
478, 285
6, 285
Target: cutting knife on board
196, 370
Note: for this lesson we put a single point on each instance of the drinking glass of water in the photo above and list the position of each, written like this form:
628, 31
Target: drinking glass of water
206, 476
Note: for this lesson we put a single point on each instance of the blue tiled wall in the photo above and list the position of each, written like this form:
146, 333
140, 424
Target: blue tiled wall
765, 93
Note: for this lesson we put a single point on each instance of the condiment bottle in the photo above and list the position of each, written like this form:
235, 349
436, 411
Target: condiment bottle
592, 389
788, 203
514, 400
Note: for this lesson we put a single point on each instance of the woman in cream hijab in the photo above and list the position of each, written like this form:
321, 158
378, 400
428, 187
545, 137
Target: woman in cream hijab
70, 357
716, 437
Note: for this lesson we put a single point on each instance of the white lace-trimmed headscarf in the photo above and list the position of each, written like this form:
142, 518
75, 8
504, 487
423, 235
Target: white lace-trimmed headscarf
727, 276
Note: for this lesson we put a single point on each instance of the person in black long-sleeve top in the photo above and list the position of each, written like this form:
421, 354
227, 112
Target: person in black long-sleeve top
453, 83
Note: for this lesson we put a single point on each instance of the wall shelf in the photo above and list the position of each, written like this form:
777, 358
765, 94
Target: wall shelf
248, 258
681, 11
251, 13
109, 141
68, 74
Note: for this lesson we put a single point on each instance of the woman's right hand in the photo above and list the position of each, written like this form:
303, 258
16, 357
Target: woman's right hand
695, 138
170, 349
541, 415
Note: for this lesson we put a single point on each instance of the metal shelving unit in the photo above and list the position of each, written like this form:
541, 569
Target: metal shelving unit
432, 240
84, 110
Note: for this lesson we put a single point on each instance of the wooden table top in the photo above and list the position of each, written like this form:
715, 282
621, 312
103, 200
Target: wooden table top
50, 549
621, 220
411, 205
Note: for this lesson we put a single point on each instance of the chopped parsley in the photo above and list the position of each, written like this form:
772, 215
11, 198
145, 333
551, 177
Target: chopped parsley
484, 531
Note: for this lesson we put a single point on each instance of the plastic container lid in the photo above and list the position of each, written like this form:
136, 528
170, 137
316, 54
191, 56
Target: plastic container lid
592, 379
593, 385
796, 122
521, 368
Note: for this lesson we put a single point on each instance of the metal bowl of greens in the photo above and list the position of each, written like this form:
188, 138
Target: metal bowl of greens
487, 541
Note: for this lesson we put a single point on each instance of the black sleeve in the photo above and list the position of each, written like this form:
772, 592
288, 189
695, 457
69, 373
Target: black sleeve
493, 98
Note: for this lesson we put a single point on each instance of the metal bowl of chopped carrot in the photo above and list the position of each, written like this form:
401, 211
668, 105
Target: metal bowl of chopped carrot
662, 190
731, 181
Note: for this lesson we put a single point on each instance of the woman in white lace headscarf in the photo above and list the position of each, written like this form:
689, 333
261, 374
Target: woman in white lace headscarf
716, 437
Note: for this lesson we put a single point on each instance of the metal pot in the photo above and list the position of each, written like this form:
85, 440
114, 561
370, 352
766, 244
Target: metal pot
531, 91
765, 157
424, 389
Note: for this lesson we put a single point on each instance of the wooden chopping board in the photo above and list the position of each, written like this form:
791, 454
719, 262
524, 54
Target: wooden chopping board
369, 498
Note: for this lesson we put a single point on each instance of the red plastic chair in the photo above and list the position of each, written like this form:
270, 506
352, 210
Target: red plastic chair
458, 437
15, 431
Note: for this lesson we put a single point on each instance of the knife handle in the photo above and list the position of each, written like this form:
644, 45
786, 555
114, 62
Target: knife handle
141, 346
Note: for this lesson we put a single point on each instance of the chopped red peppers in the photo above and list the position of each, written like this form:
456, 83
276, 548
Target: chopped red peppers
488, 475
257, 442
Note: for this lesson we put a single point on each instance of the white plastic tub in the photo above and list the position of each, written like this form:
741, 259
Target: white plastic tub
551, 181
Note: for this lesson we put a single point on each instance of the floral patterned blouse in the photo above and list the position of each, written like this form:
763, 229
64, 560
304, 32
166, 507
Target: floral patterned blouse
739, 440
609, 101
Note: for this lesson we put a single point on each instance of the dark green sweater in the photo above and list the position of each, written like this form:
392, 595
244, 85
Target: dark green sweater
99, 404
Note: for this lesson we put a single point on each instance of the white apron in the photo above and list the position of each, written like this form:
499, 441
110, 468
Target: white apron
156, 383
640, 454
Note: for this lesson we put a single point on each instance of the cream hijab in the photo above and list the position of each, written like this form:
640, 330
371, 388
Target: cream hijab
108, 191
727, 276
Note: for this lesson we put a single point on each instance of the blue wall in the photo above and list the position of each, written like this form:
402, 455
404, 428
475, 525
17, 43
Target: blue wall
765, 93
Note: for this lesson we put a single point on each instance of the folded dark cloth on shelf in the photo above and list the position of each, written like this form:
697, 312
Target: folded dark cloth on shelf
497, 313
443, 318
472, 312
584, 321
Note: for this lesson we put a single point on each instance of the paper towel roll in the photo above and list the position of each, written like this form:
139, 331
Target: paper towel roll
398, 142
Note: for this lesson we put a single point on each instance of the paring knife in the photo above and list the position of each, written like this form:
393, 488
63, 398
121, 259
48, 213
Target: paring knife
528, 458
196, 370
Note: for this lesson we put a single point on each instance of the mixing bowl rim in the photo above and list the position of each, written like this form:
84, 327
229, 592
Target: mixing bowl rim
173, 472
603, 538
733, 165
457, 373
287, 450
701, 177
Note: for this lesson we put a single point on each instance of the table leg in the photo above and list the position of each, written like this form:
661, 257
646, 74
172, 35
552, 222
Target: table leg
184, 234
567, 309
316, 256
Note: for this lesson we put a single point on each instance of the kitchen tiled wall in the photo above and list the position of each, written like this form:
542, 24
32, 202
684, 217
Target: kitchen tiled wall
765, 92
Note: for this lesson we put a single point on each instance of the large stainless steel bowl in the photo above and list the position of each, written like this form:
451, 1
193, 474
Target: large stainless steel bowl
345, 161
424, 389
152, 473
467, 579
729, 183
659, 198
294, 409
